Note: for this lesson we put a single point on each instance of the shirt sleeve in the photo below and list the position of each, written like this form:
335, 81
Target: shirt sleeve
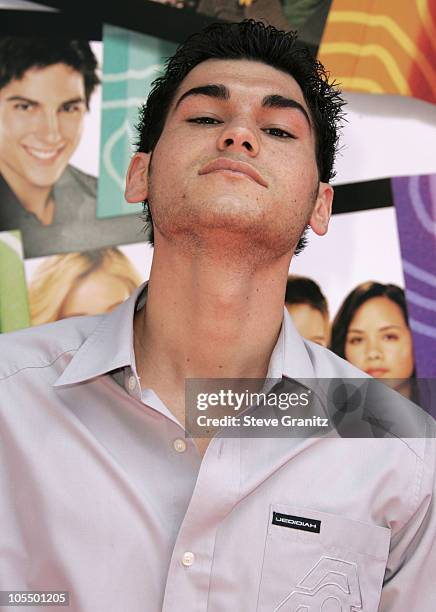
411, 569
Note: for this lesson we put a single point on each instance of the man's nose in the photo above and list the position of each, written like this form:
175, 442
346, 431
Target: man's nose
48, 128
239, 138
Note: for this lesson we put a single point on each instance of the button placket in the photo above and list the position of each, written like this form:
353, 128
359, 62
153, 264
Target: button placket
207, 509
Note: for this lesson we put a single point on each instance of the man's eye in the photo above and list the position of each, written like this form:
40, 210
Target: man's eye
24, 106
70, 108
278, 132
204, 120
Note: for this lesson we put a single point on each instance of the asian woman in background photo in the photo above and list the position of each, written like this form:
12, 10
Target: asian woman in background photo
371, 331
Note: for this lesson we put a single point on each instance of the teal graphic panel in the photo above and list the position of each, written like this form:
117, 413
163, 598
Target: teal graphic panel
131, 61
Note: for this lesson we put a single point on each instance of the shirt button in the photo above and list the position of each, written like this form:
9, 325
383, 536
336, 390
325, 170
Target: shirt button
131, 383
179, 445
188, 559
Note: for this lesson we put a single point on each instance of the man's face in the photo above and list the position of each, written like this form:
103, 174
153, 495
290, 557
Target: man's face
41, 119
236, 158
310, 323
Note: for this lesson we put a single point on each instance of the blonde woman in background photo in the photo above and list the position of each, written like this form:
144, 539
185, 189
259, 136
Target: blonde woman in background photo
87, 283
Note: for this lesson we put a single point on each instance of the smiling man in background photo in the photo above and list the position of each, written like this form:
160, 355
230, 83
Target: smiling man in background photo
45, 89
103, 493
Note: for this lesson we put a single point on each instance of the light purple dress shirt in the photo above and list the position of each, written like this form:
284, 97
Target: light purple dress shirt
103, 496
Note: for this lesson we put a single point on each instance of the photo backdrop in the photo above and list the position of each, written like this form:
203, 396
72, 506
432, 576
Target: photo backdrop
131, 62
14, 309
415, 204
377, 231
382, 47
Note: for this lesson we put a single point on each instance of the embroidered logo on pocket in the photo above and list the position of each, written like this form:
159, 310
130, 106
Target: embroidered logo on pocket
296, 522
329, 586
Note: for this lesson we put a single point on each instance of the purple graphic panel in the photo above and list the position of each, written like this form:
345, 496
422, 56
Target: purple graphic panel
415, 204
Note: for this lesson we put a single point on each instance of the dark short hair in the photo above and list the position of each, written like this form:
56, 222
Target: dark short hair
19, 54
252, 40
354, 300
303, 290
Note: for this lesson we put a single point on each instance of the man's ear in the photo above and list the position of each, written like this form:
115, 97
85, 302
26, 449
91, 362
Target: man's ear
319, 219
137, 178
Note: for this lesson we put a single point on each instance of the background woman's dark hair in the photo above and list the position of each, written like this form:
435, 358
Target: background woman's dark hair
354, 300
19, 54
250, 40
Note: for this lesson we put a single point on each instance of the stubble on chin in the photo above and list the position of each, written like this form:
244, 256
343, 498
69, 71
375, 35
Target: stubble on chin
231, 240
241, 234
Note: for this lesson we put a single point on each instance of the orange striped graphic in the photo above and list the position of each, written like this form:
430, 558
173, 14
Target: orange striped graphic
378, 46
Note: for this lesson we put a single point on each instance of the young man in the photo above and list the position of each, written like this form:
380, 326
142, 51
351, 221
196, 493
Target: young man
308, 308
103, 495
45, 89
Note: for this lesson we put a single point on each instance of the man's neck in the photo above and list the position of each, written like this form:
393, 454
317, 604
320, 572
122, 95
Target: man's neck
205, 320
34, 199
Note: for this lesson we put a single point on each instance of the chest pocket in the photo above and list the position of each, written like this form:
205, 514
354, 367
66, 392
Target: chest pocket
320, 562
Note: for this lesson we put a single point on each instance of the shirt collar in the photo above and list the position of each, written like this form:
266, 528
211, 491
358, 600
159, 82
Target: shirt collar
110, 347
290, 356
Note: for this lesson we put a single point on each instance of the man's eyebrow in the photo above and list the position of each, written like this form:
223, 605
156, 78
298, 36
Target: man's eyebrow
74, 101
213, 91
35, 102
221, 92
277, 101
21, 99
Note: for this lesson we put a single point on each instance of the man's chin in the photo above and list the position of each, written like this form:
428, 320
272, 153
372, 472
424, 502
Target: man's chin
228, 224
45, 182
225, 241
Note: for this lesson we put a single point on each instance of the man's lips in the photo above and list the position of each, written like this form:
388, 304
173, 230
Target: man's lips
43, 154
222, 163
